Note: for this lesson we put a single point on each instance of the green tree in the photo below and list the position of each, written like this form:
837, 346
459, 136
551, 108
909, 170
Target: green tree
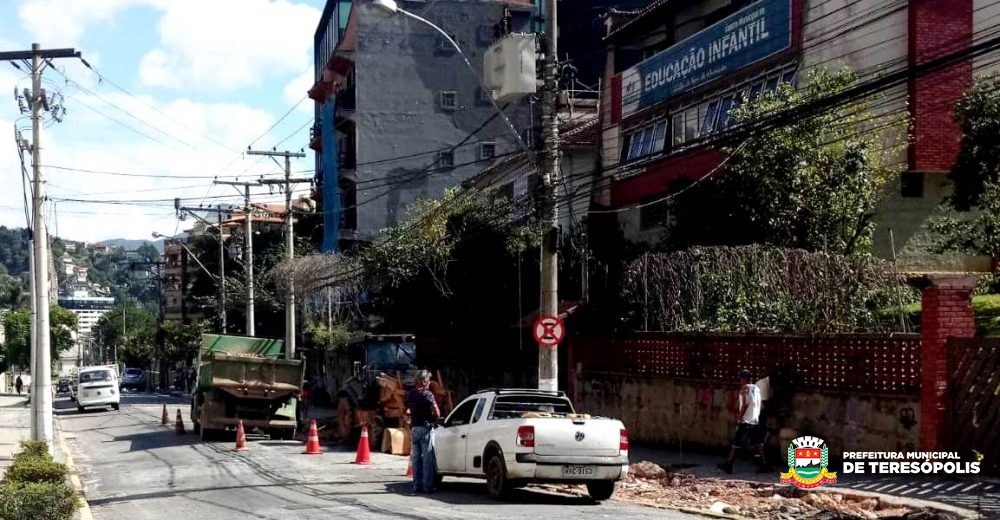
450, 265
181, 342
11, 290
135, 336
17, 331
975, 228
811, 184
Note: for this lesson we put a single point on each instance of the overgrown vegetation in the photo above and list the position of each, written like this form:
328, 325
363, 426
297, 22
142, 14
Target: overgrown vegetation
762, 289
34, 487
973, 225
811, 184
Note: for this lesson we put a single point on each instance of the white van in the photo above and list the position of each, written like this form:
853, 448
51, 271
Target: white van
97, 386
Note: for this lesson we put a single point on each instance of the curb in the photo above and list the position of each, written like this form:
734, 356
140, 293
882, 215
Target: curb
74, 480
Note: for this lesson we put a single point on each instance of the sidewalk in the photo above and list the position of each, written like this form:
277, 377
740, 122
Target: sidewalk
15, 416
967, 492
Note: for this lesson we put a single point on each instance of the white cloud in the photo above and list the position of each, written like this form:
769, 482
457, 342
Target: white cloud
228, 44
90, 141
57, 23
297, 88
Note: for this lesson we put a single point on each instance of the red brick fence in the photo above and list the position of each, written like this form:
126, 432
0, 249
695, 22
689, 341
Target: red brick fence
860, 392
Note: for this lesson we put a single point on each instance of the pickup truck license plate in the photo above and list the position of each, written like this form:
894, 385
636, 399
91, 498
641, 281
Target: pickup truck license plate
579, 471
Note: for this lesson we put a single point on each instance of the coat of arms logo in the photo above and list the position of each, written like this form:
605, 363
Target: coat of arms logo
808, 459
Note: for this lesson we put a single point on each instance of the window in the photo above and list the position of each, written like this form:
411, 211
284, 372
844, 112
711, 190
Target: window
653, 215
443, 45
480, 406
446, 159
486, 96
644, 141
449, 99
487, 151
911, 184
461, 415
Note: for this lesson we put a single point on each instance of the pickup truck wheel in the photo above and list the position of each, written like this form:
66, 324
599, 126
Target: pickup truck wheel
116, 407
79, 409
601, 489
496, 478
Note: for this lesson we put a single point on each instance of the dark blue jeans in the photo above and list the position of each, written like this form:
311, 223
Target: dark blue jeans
422, 458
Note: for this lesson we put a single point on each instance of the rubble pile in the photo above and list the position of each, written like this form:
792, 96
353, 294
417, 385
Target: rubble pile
649, 484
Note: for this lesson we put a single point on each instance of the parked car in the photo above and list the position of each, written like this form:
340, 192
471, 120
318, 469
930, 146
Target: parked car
513, 437
97, 386
62, 387
133, 378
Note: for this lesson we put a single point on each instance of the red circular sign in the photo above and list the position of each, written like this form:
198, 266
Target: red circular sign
549, 331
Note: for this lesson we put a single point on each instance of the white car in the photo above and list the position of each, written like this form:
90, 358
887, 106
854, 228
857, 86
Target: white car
97, 386
513, 437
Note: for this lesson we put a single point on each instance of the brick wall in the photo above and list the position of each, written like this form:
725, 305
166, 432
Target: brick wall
936, 28
946, 312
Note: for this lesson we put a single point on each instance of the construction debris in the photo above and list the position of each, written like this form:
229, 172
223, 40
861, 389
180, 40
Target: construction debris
652, 485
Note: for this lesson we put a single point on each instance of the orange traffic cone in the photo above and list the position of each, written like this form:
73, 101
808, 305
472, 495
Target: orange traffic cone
241, 438
164, 417
179, 424
364, 455
409, 468
312, 444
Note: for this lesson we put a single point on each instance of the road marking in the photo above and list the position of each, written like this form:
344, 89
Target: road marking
956, 486
969, 487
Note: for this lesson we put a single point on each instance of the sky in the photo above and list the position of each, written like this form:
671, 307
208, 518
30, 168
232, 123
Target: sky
178, 89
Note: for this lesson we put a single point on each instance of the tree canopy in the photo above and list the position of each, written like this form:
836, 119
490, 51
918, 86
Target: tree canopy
17, 332
975, 228
811, 184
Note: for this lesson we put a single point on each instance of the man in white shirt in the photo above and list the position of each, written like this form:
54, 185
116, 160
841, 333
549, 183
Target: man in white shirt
749, 432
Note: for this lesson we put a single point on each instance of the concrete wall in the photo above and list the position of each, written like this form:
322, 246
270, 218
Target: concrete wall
400, 71
665, 411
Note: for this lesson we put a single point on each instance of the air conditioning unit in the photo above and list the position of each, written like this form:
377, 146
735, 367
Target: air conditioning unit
509, 68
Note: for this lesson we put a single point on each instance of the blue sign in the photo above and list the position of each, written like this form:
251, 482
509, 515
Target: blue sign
756, 32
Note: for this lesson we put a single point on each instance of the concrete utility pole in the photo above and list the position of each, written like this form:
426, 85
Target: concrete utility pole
248, 250
289, 239
41, 378
548, 358
219, 211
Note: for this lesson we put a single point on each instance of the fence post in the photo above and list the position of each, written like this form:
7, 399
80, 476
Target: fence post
946, 312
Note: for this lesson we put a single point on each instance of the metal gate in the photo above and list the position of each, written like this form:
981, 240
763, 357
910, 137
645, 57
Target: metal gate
974, 388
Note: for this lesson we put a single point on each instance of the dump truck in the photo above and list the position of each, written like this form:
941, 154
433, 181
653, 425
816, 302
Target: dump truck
383, 367
245, 379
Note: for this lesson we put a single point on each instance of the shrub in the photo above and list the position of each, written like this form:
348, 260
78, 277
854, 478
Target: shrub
35, 469
37, 501
35, 449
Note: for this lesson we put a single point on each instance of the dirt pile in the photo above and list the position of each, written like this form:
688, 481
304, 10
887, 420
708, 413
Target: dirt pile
651, 484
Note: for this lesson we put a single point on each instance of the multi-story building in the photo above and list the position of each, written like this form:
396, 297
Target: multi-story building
399, 114
88, 310
675, 70
178, 275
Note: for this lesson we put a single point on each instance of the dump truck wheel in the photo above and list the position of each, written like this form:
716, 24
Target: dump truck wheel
345, 419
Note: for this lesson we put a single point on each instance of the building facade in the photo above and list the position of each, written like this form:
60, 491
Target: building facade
178, 275
675, 70
399, 114
88, 310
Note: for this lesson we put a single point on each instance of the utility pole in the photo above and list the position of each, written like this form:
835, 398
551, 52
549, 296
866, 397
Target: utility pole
289, 240
247, 250
41, 383
548, 358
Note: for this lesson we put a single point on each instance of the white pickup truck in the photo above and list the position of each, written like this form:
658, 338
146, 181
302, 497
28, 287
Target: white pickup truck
513, 437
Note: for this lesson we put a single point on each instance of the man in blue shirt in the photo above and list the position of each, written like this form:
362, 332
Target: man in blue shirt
424, 413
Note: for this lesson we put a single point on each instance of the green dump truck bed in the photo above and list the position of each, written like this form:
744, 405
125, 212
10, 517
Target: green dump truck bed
248, 379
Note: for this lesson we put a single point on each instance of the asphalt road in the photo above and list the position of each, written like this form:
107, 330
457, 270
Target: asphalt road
134, 469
